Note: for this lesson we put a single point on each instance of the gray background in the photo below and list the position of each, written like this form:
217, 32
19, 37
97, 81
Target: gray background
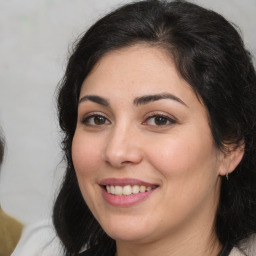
35, 36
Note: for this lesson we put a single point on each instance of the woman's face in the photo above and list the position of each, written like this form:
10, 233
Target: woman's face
143, 151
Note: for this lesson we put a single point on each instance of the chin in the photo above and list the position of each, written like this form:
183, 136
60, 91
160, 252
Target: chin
127, 235
127, 231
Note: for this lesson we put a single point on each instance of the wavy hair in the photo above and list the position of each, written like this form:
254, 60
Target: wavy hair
210, 55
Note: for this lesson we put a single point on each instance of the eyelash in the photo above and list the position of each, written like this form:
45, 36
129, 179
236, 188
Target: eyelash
164, 117
86, 120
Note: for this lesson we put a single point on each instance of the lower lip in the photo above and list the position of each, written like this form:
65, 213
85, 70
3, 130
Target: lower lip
126, 201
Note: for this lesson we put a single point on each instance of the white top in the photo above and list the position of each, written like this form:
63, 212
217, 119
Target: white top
39, 239
246, 247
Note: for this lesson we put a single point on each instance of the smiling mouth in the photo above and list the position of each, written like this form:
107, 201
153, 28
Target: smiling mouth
128, 189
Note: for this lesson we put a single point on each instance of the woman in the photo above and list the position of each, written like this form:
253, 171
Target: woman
158, 111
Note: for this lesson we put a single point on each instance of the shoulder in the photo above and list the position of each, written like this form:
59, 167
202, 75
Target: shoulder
10, 232
91, 252
246, 247
39, 239
97, 251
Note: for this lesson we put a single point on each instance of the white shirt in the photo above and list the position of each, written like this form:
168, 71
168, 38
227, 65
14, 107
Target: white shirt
39, 239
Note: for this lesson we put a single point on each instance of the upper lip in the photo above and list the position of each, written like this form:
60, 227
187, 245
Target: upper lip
125, 181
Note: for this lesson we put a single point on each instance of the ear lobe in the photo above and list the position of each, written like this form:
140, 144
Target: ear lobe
231, 159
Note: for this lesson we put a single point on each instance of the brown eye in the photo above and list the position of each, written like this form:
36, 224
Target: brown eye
159, 120
99, 120
95, 120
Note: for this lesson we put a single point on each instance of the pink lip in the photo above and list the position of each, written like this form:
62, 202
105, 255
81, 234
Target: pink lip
125, 201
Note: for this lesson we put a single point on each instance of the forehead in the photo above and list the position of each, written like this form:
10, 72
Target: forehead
138, 65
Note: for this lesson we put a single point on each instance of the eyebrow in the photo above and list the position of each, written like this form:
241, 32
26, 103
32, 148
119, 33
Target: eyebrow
96, 99
137, 101
155, 97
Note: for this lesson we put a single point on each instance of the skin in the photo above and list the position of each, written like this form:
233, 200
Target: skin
178, 154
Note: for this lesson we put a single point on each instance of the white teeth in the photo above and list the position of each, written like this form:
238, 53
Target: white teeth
118, 190
112, 189
142, 189
127, 189
135, 189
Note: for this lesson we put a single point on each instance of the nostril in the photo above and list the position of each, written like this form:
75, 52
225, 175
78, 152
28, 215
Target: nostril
126, 162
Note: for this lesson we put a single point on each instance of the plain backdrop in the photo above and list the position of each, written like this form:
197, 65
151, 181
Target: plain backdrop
35, 38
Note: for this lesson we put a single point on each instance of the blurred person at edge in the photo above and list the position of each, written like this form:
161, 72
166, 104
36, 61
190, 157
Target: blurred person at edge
10, 228
158, 110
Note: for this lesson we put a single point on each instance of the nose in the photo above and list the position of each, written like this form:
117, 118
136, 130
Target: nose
123, 148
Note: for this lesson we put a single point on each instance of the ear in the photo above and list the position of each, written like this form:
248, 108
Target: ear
231, 158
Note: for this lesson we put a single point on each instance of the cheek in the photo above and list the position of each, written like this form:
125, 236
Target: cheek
85, 155
183, 155
188, 167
